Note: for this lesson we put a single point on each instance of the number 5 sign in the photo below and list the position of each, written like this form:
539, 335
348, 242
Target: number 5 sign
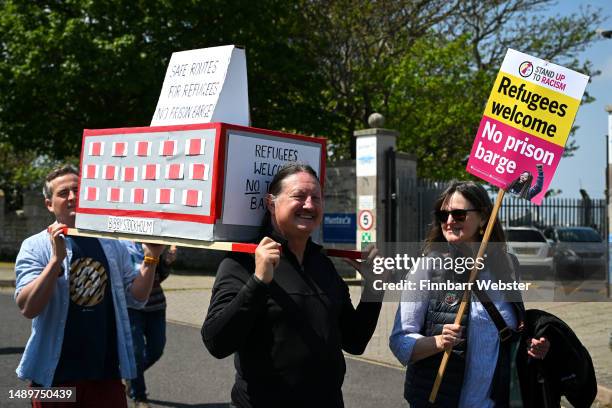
366, 219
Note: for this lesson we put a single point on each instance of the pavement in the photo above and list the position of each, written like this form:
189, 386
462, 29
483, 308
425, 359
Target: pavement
188, 297
187, 375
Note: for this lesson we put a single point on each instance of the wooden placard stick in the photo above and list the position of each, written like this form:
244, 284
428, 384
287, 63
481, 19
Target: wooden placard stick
194, 243
466, 294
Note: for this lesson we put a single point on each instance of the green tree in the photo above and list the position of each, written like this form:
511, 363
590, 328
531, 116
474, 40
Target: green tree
357, 44
75, 64
315, 66
429, 66
69, 65
437, 100
531, 26
23, 171
441, 85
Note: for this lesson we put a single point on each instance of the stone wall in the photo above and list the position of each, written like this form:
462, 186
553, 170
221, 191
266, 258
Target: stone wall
339, 187
17, 226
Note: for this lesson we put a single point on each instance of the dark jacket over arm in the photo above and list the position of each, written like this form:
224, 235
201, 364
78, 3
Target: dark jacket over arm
237, 298
357, 325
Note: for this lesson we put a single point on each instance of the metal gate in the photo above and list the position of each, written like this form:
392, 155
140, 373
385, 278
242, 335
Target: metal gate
409, 204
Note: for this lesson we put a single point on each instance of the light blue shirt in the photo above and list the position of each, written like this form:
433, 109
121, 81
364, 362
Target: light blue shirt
482, 347
136, 253
42, 352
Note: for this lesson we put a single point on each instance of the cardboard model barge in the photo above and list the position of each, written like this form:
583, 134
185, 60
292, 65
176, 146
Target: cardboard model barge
204, 182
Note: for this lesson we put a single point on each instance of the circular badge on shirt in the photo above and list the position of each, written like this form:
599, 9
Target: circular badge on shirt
87, 282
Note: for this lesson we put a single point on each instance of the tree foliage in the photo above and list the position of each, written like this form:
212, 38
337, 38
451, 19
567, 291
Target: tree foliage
69, 65
531, 27
357, 43
315, 66
437, 104
22, 171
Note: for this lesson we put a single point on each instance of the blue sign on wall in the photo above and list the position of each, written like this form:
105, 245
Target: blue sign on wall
339, 228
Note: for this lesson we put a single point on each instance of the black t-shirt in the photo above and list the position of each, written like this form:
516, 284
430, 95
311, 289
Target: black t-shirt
89, 349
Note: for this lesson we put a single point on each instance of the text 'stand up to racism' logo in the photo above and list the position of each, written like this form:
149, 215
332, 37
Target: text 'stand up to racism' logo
526, 69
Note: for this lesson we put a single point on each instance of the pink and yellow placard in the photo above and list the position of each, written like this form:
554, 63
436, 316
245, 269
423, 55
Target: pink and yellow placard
526, 124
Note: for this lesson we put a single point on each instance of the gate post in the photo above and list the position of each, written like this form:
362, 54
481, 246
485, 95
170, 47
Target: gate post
372, 146
608, 201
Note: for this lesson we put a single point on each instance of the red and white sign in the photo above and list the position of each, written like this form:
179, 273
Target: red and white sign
91, 171
143, 149
198, 171
365, 220
174, 171
167, 148
138, 196
195, 147
119, 149
129, 173
192, 198
205, 181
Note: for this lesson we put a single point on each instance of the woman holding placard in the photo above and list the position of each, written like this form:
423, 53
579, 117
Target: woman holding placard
286, 314
478, 371
522, 185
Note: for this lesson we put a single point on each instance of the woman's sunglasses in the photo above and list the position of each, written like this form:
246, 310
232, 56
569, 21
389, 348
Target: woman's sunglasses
458, 215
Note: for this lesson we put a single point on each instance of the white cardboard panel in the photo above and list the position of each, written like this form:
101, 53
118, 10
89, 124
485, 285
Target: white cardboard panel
204, 85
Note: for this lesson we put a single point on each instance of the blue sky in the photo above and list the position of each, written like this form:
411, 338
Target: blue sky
587, 168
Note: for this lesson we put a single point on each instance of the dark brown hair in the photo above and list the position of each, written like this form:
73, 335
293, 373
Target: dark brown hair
276, 186
478, 197
521, 186
55, 173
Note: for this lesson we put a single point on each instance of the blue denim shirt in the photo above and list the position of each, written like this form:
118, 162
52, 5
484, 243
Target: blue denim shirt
44, 347
136, 253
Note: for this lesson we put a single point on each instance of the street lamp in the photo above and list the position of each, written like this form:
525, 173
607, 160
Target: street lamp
608, 157
609, 110
608, 177
608, 34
